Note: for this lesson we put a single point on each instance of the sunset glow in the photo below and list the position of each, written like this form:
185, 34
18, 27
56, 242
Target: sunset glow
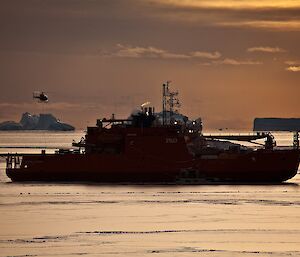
226, 58
233, 4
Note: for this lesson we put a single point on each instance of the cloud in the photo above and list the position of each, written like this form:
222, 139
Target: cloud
266, 49
281, 25
293, 68
146, 52
254, 14
207, 58
233, 4
208, 55
292, 62
125, 51
230, 61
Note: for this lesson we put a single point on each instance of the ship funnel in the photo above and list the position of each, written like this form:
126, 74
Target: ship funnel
148, 111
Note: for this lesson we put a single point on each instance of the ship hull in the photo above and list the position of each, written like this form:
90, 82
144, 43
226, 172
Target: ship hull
263, 166
256, 167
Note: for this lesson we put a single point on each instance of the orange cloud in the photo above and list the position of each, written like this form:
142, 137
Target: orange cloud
292, 63
208, 55
256, 14
230, 61
233, 4
154, 52
146, 52
287, 25
266, 49
293, 68
210, 58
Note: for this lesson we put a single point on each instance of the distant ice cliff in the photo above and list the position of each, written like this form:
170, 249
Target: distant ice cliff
276, 124
36, 122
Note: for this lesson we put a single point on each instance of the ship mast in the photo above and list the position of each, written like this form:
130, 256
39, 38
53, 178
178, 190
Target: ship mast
164, 101
170, 102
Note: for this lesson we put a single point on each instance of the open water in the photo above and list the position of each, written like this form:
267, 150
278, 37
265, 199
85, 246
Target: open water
57, 219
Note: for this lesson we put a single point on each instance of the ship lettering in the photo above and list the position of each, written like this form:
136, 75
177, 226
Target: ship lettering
171, 140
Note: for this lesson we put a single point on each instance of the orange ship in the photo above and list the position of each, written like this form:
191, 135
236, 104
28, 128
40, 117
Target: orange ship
163, 148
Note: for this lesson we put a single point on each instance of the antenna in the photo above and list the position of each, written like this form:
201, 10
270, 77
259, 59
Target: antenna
164, 100
173, 103
170, 102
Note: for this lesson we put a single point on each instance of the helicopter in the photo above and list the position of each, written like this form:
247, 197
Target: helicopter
41, 96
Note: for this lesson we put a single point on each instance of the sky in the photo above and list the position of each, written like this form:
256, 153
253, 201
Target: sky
231, 61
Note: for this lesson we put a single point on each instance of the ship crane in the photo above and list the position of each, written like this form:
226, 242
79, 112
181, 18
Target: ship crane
269, 142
